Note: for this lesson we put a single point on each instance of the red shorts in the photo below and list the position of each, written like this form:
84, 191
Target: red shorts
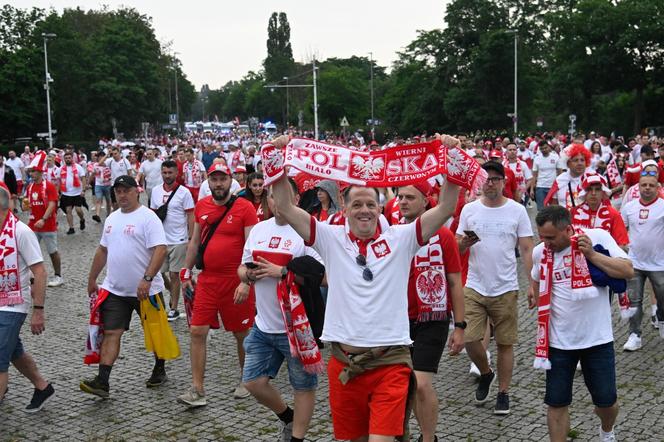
214, 297
19, 187
371, 403
194, 192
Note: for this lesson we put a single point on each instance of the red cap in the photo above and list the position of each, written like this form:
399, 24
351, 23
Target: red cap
496, 154
424, 187
219, 167
240, 169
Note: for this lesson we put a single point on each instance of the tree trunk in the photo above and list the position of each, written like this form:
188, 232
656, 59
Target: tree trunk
638, 109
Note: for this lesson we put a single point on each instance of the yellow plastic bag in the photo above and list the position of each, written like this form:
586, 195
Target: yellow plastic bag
159, 337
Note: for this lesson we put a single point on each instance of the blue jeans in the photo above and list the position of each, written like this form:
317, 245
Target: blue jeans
11, 347
540, 194
599, 374
635, 293
265, 352
102, 192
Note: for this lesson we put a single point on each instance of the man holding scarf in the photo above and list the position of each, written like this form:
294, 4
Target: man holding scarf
271, 245
366, 318
193, 173
20, 257
574, 317
434, 291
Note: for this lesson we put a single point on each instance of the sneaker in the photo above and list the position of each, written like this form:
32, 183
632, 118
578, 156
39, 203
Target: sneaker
607, 437
157, 378
633, 342
39, 399
56, 281
96, 218
193, 399
241, 393
474, 371
286, 432
482, 392
654, 321
95, 386
578, 366
82, 224
173, 315
502, 404
70, 231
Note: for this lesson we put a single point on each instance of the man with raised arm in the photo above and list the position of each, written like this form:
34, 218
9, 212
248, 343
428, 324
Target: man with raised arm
366, 317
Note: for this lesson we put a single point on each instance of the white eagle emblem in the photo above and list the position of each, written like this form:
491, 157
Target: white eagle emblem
456, 164
368, 169
273, 160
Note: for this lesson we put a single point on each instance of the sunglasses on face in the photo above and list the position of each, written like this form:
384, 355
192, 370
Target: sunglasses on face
649, 173
367, 274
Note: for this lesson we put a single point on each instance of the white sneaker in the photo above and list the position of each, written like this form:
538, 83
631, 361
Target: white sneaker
607, 437
56, 281
633, 342
474, 371
578, 366
241, 392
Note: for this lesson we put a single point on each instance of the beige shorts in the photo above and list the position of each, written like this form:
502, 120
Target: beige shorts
502, 310
175, 257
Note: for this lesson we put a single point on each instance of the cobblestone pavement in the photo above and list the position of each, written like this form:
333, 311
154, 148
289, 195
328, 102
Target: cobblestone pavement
137, 413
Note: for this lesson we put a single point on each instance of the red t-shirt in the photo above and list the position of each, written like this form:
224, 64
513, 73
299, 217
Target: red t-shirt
224, 252
510, 184
39, 196
392, 212
440, 255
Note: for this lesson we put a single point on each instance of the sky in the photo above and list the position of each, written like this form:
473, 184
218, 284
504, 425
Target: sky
219, 41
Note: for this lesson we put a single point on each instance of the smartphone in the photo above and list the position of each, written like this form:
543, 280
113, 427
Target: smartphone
470, 234
251, 265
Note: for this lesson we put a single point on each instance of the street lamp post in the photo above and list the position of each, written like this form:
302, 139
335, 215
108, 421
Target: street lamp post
372, 96
48, 79
515, 116
287, 103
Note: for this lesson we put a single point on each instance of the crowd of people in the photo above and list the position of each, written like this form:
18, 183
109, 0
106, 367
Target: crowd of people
384, 277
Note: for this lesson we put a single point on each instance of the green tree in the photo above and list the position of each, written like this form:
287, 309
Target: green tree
279, 62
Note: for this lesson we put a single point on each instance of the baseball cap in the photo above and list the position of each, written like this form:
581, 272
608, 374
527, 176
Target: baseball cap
240, 169
496, 154
218, 167
495, 167
125, 181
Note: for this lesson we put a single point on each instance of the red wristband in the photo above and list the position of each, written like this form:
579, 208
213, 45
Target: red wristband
185, 275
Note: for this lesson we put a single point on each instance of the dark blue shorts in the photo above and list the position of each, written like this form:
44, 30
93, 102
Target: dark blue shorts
11, 347
599, 373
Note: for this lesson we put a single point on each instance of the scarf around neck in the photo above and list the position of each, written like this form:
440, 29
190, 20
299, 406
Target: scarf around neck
10, 277
63, 177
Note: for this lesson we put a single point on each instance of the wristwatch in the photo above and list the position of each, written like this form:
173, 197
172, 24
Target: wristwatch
148, 278
284, 272
462, 325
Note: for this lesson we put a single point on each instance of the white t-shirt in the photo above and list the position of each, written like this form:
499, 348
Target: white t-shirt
576, 324
128, 237
546, 168
29, 254
175, 225
118, 168
205, 189
279, 245
524, 155
499, 230
151, 170
565, 182
645, 225
367, 313
16, 164
69, 182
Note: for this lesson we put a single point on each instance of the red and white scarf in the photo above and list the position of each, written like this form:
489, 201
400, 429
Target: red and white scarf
518, 173
613, 176
10, 276
428, 282
192, 173
300, 335
95, 327
63, 177
582, 288
396, 166
235, 160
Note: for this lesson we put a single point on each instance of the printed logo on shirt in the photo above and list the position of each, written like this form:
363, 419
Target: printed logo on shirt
643, 213
129, 229
567, 260
204, 217
108, 229
229, 220
274, 242
287, 244
381, 248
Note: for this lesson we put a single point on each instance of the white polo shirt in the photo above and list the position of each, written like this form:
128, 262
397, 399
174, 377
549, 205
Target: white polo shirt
645, 224
367, 313
279, 245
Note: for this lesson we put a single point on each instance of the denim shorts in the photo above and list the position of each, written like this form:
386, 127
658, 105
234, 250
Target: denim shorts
265, 352
599, 373
102, 192
50, 241
11, 346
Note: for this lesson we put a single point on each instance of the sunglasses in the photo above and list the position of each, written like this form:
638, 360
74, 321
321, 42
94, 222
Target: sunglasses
494, 179
649, 173
361, 261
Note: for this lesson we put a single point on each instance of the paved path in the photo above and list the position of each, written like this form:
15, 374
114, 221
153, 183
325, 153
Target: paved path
136, 413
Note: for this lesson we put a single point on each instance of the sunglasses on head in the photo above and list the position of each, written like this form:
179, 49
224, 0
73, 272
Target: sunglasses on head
361, 260
649, 173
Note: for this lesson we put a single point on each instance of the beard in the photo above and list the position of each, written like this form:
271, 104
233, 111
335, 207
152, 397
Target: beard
220, 194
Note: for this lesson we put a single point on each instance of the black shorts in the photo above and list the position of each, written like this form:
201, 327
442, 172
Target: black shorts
116, 311
429, 343
71, 201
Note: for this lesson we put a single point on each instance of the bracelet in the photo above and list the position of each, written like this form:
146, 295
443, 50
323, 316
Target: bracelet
38, 307
185, 274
